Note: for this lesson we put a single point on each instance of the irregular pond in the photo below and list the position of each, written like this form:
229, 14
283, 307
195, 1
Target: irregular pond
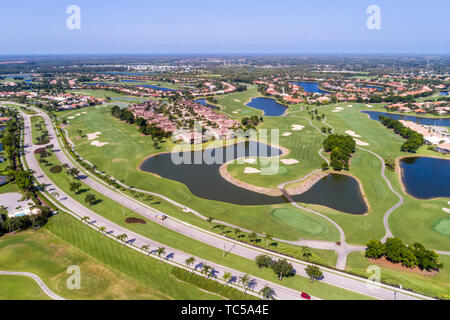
426, 177
268, 105
310, 86
204, 180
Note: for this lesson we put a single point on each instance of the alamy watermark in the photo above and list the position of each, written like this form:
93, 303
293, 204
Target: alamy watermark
374, 20
73, 22
73, 282
374, 280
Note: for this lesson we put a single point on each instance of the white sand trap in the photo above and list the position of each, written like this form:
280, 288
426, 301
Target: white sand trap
78, 114
286, 134
98, 143
250, 160
251, 170
235, 112
352, 133
92, 136
446, 210
361, 143
349, 106
297, 127
237, 100
289, 161
84, 112
336, 110
71, 117
369, 106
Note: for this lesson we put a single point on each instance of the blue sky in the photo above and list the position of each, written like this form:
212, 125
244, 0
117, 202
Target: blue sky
230, 26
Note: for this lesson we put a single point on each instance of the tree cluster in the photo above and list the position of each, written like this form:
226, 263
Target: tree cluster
341, 147
409, 256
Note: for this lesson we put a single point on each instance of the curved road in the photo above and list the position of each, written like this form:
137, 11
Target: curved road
38, 280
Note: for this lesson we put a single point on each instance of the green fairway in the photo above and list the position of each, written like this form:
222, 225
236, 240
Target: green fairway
20, 288
443, 227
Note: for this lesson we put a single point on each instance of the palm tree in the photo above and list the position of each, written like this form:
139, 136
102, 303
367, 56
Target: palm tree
55, 194
189, 261
237, 232
268, 238
160, 251
102, 229
210, 220
85, 219
206, 270
122, 237
267, 292
245, 280
227, 277
146, 248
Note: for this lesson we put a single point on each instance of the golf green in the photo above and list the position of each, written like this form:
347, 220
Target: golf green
298, 221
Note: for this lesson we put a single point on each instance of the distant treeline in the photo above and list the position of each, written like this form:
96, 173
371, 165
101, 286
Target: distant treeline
414, 139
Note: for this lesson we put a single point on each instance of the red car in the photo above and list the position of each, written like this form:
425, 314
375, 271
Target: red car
305, 296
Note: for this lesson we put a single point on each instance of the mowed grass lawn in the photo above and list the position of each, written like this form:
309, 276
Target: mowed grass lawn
127, 148
435, 285
20, 288
108, 270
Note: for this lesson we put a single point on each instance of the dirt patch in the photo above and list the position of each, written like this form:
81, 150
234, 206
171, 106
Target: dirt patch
398, 266
135, 220
56, 169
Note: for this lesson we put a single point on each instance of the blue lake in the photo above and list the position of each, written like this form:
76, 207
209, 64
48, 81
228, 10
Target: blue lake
309, 86
444, 122
443, 93
268, 105
425, 177
205, 103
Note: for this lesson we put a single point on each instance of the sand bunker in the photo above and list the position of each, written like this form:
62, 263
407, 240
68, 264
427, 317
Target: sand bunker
336, 110
369, 106
71, 117
446, 210
352, 133
84, 112
289, 161
349, 106
250, 160
286, 134
361, 143
237, 100
251, 170
235, 112
92, 136
98, 143
297, 127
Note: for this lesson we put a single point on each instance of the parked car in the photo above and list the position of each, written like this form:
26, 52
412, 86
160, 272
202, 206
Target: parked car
305, 296
161, 216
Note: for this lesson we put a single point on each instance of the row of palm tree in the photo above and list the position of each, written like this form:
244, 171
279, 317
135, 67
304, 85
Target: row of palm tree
252, 236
